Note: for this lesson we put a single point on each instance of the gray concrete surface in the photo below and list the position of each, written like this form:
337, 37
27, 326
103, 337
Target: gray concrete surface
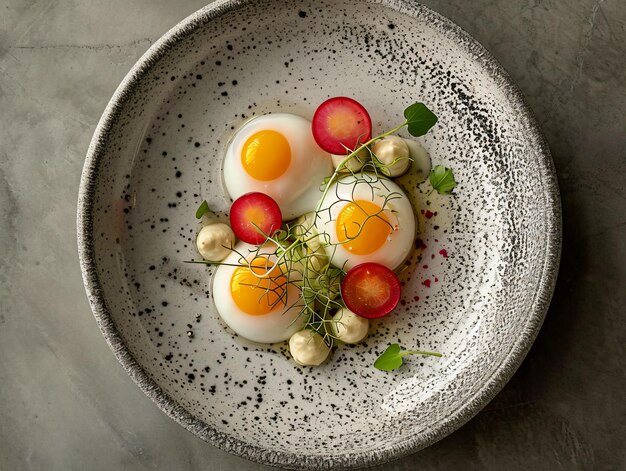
65, 402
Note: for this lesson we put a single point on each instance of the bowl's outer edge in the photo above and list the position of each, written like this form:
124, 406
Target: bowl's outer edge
250, 451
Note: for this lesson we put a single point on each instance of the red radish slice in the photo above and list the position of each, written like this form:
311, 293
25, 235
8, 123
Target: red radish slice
341, 122
254, 216
370, 290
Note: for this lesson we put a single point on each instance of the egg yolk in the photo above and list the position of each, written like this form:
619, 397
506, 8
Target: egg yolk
361, 227
266, 155
258, 289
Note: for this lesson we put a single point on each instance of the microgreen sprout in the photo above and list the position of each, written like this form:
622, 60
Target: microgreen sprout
202, 210
391, 358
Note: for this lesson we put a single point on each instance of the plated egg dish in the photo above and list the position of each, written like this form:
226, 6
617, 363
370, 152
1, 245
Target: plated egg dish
319, 230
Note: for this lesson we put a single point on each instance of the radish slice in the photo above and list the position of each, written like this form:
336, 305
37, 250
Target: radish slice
341, 123
254, 216
370, 290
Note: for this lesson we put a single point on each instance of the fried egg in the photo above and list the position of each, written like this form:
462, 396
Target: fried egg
365, 218
253, 297
276, 154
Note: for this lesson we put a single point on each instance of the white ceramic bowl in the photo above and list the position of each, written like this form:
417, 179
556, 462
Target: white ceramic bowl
157, 153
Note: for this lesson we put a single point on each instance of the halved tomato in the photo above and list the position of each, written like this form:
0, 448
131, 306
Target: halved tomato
370, 290
341, 123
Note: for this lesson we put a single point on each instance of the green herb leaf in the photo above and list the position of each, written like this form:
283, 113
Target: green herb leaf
442, 179
419, 119
391, 359
202, 209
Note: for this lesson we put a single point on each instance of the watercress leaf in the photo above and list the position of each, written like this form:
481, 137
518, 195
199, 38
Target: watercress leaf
442, 179
202, 209
419, 119
390, 359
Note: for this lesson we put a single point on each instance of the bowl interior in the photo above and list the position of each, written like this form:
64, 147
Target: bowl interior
472, 293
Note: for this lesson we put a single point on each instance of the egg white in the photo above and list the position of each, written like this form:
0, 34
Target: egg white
398, 211
296, 191
276, 326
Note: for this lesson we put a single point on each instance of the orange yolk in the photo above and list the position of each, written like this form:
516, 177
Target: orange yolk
260, 289
361, 227
266, 155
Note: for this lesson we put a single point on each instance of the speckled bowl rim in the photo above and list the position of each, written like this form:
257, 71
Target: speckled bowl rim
276, 458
